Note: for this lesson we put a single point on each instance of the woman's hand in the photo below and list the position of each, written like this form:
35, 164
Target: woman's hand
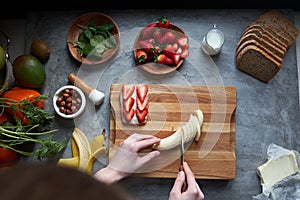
128, 159
193, 191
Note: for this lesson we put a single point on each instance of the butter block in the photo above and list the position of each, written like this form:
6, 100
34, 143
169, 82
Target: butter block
277, 169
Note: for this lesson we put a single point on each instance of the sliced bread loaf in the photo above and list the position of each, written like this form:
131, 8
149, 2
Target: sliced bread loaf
269, 51
255, 62
263, 41
284, 21
268, 20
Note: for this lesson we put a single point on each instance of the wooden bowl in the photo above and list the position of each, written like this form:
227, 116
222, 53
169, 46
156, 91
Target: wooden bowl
84, 20
153, 67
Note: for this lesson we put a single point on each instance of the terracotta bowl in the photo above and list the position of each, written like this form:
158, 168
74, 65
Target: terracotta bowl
153, 67
84, 20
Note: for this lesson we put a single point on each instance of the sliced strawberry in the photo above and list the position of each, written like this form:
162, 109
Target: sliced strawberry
142, 91
142, 105
128, 104
179, 51
182, 41
141, 56
176, 58
127, 90
167, 38
175, 46
141, 115
128, 115
184, 53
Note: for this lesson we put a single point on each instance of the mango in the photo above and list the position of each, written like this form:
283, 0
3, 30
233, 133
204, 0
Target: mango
29, 71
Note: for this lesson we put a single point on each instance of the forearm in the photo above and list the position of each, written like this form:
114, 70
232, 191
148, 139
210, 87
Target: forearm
109, 175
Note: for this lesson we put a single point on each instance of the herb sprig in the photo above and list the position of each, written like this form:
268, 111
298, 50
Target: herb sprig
38, 130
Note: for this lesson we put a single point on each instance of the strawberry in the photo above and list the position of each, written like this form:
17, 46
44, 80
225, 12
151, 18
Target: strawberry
142, 105
142, 91
167, 38
128, 115
141, 56
176, 58
148, 31
182, 41
184, 53
163, 22
179, 51
163, 59
128, 104
127, 91
147, 46
157, 35
175, 46
169, 51
141, 115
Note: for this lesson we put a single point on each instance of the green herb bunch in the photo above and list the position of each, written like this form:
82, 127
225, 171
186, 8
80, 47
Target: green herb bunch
38, 130
94, 40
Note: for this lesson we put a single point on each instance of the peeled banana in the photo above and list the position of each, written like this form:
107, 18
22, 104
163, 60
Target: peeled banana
190, 130
84, 153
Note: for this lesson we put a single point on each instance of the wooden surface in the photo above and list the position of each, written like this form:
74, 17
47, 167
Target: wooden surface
213, 156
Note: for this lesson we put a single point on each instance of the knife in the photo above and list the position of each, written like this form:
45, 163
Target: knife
184, 187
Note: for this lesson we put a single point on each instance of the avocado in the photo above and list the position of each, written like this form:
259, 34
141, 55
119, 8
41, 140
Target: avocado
29, 71
41, 50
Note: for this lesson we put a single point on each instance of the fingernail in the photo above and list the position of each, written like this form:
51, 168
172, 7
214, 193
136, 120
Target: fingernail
181, 173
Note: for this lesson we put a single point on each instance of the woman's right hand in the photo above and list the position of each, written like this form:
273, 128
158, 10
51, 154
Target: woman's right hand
193, 191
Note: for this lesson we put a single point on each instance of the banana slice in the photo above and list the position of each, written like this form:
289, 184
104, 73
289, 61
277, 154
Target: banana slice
197, 126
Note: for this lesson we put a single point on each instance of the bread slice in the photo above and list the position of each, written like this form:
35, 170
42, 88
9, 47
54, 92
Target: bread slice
270, 32
268, 38
264, 41
284, 21
269, 52
268, 20
257, 63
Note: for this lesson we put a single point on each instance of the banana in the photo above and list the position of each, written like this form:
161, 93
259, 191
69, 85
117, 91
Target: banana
199, 116
69, 162
83, 148
170, 142
190, 130
93, 157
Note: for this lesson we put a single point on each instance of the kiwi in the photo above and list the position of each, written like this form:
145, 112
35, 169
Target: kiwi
41, 50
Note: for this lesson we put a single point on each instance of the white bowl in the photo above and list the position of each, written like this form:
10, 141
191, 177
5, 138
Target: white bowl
59, 93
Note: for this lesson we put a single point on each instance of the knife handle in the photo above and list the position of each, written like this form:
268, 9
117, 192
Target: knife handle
184, 187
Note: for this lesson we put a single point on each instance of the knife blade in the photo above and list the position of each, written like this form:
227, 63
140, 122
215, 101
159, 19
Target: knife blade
184, 187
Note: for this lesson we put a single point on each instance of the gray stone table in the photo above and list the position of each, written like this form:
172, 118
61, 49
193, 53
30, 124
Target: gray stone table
265, 113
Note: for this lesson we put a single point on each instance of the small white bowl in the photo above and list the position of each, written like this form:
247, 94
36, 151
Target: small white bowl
59, 93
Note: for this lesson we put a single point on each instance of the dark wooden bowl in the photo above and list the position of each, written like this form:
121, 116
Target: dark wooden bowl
153, 67
74, 31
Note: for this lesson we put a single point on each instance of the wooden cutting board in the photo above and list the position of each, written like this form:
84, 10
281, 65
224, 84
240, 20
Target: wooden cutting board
213, 156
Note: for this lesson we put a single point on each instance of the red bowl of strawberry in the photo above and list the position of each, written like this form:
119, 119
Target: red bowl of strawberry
161, 47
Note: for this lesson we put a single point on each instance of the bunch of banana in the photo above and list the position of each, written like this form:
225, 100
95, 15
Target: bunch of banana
190, 130
84, 153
